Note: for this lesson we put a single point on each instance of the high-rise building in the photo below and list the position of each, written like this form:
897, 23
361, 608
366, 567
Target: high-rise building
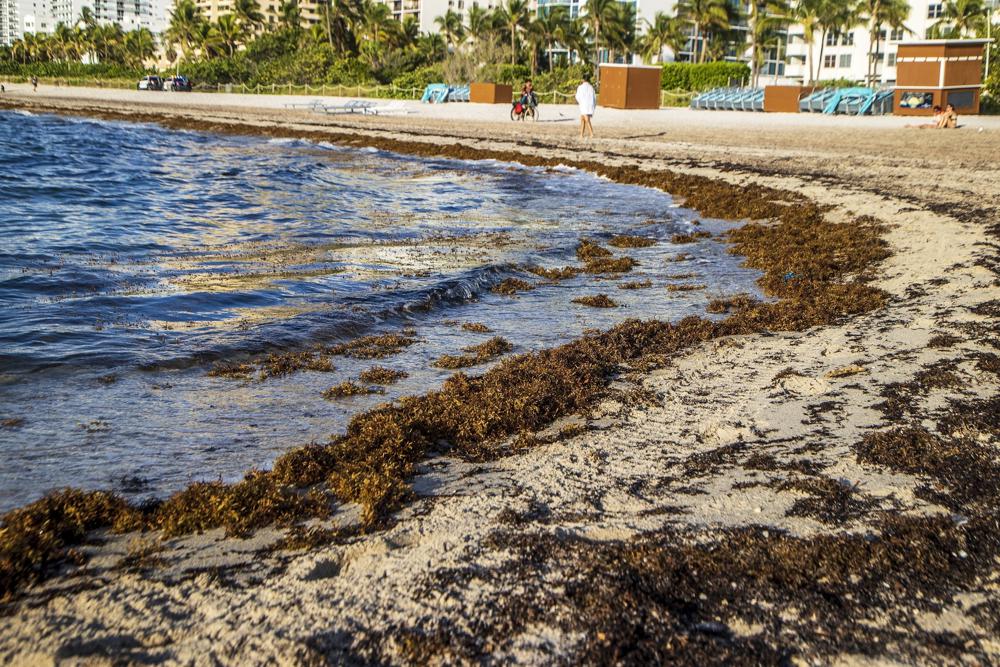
271, 9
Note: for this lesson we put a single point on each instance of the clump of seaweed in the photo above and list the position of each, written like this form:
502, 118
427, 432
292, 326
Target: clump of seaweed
12, 422
682, 276
680, 239
596, 301
684, 287
636, 284
233, 369
627, 241
553, 274
610, 265
830, 501
512, 286
382, 375
681, 257
587, 250
348, 388
475, 354
728, 304
476, 327
277, 364
306, 538
38, 536
943, 340
373, 347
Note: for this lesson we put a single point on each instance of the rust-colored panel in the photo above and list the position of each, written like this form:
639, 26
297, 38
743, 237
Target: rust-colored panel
784, 99
614, 87
491, 93
920, 51
969, 109
918, 74
964, 73
643, 88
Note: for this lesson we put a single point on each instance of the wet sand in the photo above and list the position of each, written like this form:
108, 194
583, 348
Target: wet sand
740, 502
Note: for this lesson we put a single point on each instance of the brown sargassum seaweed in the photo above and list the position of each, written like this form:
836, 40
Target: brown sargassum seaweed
596, 301
476, 354
371, 462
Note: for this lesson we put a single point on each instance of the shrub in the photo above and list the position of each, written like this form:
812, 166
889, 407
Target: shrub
420, 78
701, 76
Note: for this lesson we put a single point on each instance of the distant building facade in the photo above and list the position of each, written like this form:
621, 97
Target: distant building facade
271, 9
18, 17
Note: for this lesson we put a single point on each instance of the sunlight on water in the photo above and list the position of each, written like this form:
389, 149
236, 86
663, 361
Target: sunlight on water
133, 258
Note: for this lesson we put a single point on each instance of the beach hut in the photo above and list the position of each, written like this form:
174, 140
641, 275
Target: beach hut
932, 72
630, 87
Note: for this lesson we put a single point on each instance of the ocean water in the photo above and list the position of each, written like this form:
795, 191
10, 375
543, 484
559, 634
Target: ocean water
133, 258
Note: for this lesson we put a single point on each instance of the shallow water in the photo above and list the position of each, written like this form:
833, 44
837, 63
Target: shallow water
132, 258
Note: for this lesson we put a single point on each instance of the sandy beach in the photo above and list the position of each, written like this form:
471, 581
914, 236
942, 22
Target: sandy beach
824, 494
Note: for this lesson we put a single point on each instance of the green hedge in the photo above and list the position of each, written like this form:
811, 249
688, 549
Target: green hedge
703, 76
69, 70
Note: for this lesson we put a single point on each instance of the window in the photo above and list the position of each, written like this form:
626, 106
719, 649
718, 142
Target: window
829, 61
961, 99
890, 60
897, 34
831, 39
935, 11
847, 39
845, 60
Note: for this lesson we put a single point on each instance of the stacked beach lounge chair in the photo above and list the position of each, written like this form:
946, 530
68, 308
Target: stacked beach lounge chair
730, 99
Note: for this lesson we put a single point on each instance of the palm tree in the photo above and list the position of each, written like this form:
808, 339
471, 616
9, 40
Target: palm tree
514, 17
835, 16
185, 20
230, 31
660, 33
289, 15
62, 38
208, 40
451, 27
248, 14
549, 25
879, 13
807, 13
479, 22
598, 13
619, 31
704, 15
960, 18
375, 18
432, 46
140, 46
765, 20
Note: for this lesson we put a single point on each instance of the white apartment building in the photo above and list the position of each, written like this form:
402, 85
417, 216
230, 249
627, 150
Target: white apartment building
18, 17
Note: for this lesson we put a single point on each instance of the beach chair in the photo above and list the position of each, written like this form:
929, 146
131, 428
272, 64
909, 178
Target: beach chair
353, 106
388, 109
435, 93
314, 105
459, 94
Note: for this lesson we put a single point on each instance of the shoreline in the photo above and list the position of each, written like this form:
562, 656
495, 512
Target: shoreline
615, 440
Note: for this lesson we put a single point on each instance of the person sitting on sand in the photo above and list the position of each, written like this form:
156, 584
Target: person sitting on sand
948, 119
934, 124
528, 96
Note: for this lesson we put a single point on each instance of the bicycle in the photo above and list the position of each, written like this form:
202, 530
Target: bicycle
519, 111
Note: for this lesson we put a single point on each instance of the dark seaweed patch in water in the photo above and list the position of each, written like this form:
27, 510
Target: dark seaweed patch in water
382, 375
373, 347
685, 287
476, 327
679, 239
728, 304
563, 273
348, 388
476, 354
636, 284
511, 286
610, 265
596, 301
588, 250
626, 241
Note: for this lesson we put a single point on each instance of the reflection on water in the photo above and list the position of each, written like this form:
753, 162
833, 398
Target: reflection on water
133, 257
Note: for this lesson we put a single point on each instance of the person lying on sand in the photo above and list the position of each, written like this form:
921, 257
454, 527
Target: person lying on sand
935, 122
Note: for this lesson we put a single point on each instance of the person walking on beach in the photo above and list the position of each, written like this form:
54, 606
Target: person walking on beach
34, 84
587, 100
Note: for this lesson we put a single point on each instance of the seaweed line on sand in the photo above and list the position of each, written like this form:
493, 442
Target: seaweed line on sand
371, 462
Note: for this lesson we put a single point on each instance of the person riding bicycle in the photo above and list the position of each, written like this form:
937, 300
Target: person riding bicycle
528, 97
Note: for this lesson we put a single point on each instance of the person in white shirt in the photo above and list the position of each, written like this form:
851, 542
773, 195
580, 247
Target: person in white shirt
587, 100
